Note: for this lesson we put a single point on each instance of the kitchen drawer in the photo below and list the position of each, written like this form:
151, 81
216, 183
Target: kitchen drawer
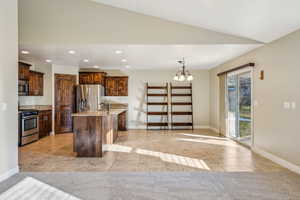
29, 139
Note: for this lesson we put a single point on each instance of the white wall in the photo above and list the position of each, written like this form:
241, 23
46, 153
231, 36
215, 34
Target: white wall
46, 99
8, 89
276, 130
136, 96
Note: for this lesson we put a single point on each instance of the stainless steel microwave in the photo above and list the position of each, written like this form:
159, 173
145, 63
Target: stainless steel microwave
23, 88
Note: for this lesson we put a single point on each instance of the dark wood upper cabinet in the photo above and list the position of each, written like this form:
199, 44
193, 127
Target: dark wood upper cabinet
111, 87
92, 78
99, 78
86, 78
123, 86
24, 69
35, 80
116, 86
36, 83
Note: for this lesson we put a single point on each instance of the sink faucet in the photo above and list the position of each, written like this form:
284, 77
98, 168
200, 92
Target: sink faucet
106, 106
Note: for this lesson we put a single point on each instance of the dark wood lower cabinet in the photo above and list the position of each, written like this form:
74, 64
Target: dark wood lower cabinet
122, 121
45, 123
91, 132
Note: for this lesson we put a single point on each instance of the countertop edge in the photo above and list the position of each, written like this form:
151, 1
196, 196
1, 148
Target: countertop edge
100, 113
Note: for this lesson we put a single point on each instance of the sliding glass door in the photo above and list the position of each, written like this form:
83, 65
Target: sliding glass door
239, 121
232, 109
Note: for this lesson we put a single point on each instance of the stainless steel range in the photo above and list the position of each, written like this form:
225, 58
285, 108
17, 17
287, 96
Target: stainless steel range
29, 127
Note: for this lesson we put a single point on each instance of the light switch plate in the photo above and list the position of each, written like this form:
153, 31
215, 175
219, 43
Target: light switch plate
294, 105
3, 106
286, 105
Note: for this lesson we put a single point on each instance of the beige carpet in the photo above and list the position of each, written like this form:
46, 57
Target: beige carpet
170, 185
32, 189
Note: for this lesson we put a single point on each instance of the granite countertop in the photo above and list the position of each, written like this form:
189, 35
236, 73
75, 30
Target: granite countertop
99, 113
36, 107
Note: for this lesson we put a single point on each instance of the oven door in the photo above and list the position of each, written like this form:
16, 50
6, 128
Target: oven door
30, 125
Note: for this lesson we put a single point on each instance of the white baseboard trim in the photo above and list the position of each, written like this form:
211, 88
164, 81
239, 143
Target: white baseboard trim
9, 173
278, 160
201, 127
214, 129
144, 127
137, 127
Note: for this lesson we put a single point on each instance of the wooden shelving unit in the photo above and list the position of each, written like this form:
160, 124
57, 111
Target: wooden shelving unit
188, 103
164, 113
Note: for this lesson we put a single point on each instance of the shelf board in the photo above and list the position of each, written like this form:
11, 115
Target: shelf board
157, 95
182, 113
157, 113
157, 124
181, 103
181, 87
157, 103
180, 95
157, 87
182, 124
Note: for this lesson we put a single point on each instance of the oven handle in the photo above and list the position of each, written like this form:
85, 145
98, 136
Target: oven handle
30, 117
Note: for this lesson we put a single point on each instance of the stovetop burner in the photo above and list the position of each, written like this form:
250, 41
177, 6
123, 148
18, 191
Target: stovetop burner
25, 113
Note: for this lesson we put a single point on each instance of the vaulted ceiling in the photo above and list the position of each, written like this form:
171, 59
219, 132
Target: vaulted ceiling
206, 32
261, 20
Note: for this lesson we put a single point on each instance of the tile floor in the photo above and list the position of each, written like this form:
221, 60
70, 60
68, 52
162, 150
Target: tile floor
148, 151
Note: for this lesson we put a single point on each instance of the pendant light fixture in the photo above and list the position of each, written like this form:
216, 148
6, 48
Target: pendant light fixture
183, 75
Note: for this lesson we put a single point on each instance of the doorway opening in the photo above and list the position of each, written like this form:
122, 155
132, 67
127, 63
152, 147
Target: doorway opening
239, 106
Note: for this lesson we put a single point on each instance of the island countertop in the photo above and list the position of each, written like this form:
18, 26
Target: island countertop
99, 113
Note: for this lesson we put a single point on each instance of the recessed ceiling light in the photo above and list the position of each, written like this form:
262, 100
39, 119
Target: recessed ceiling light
124, 60
72, 52
24, 52
119, 51
48, 60
128, 66
86, 60
96, 66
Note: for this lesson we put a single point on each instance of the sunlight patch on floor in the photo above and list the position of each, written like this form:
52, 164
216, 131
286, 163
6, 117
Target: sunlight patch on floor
205, 136
215, 142
117, 148
181, 160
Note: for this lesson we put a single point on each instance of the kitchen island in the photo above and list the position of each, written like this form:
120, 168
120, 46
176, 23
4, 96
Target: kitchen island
93, 129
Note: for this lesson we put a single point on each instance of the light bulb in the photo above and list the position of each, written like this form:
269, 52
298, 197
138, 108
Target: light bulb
190, 78
72, 52
181, 77
176, 78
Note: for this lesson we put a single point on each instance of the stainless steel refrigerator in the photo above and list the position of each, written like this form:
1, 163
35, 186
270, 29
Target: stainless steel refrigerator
89, 97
